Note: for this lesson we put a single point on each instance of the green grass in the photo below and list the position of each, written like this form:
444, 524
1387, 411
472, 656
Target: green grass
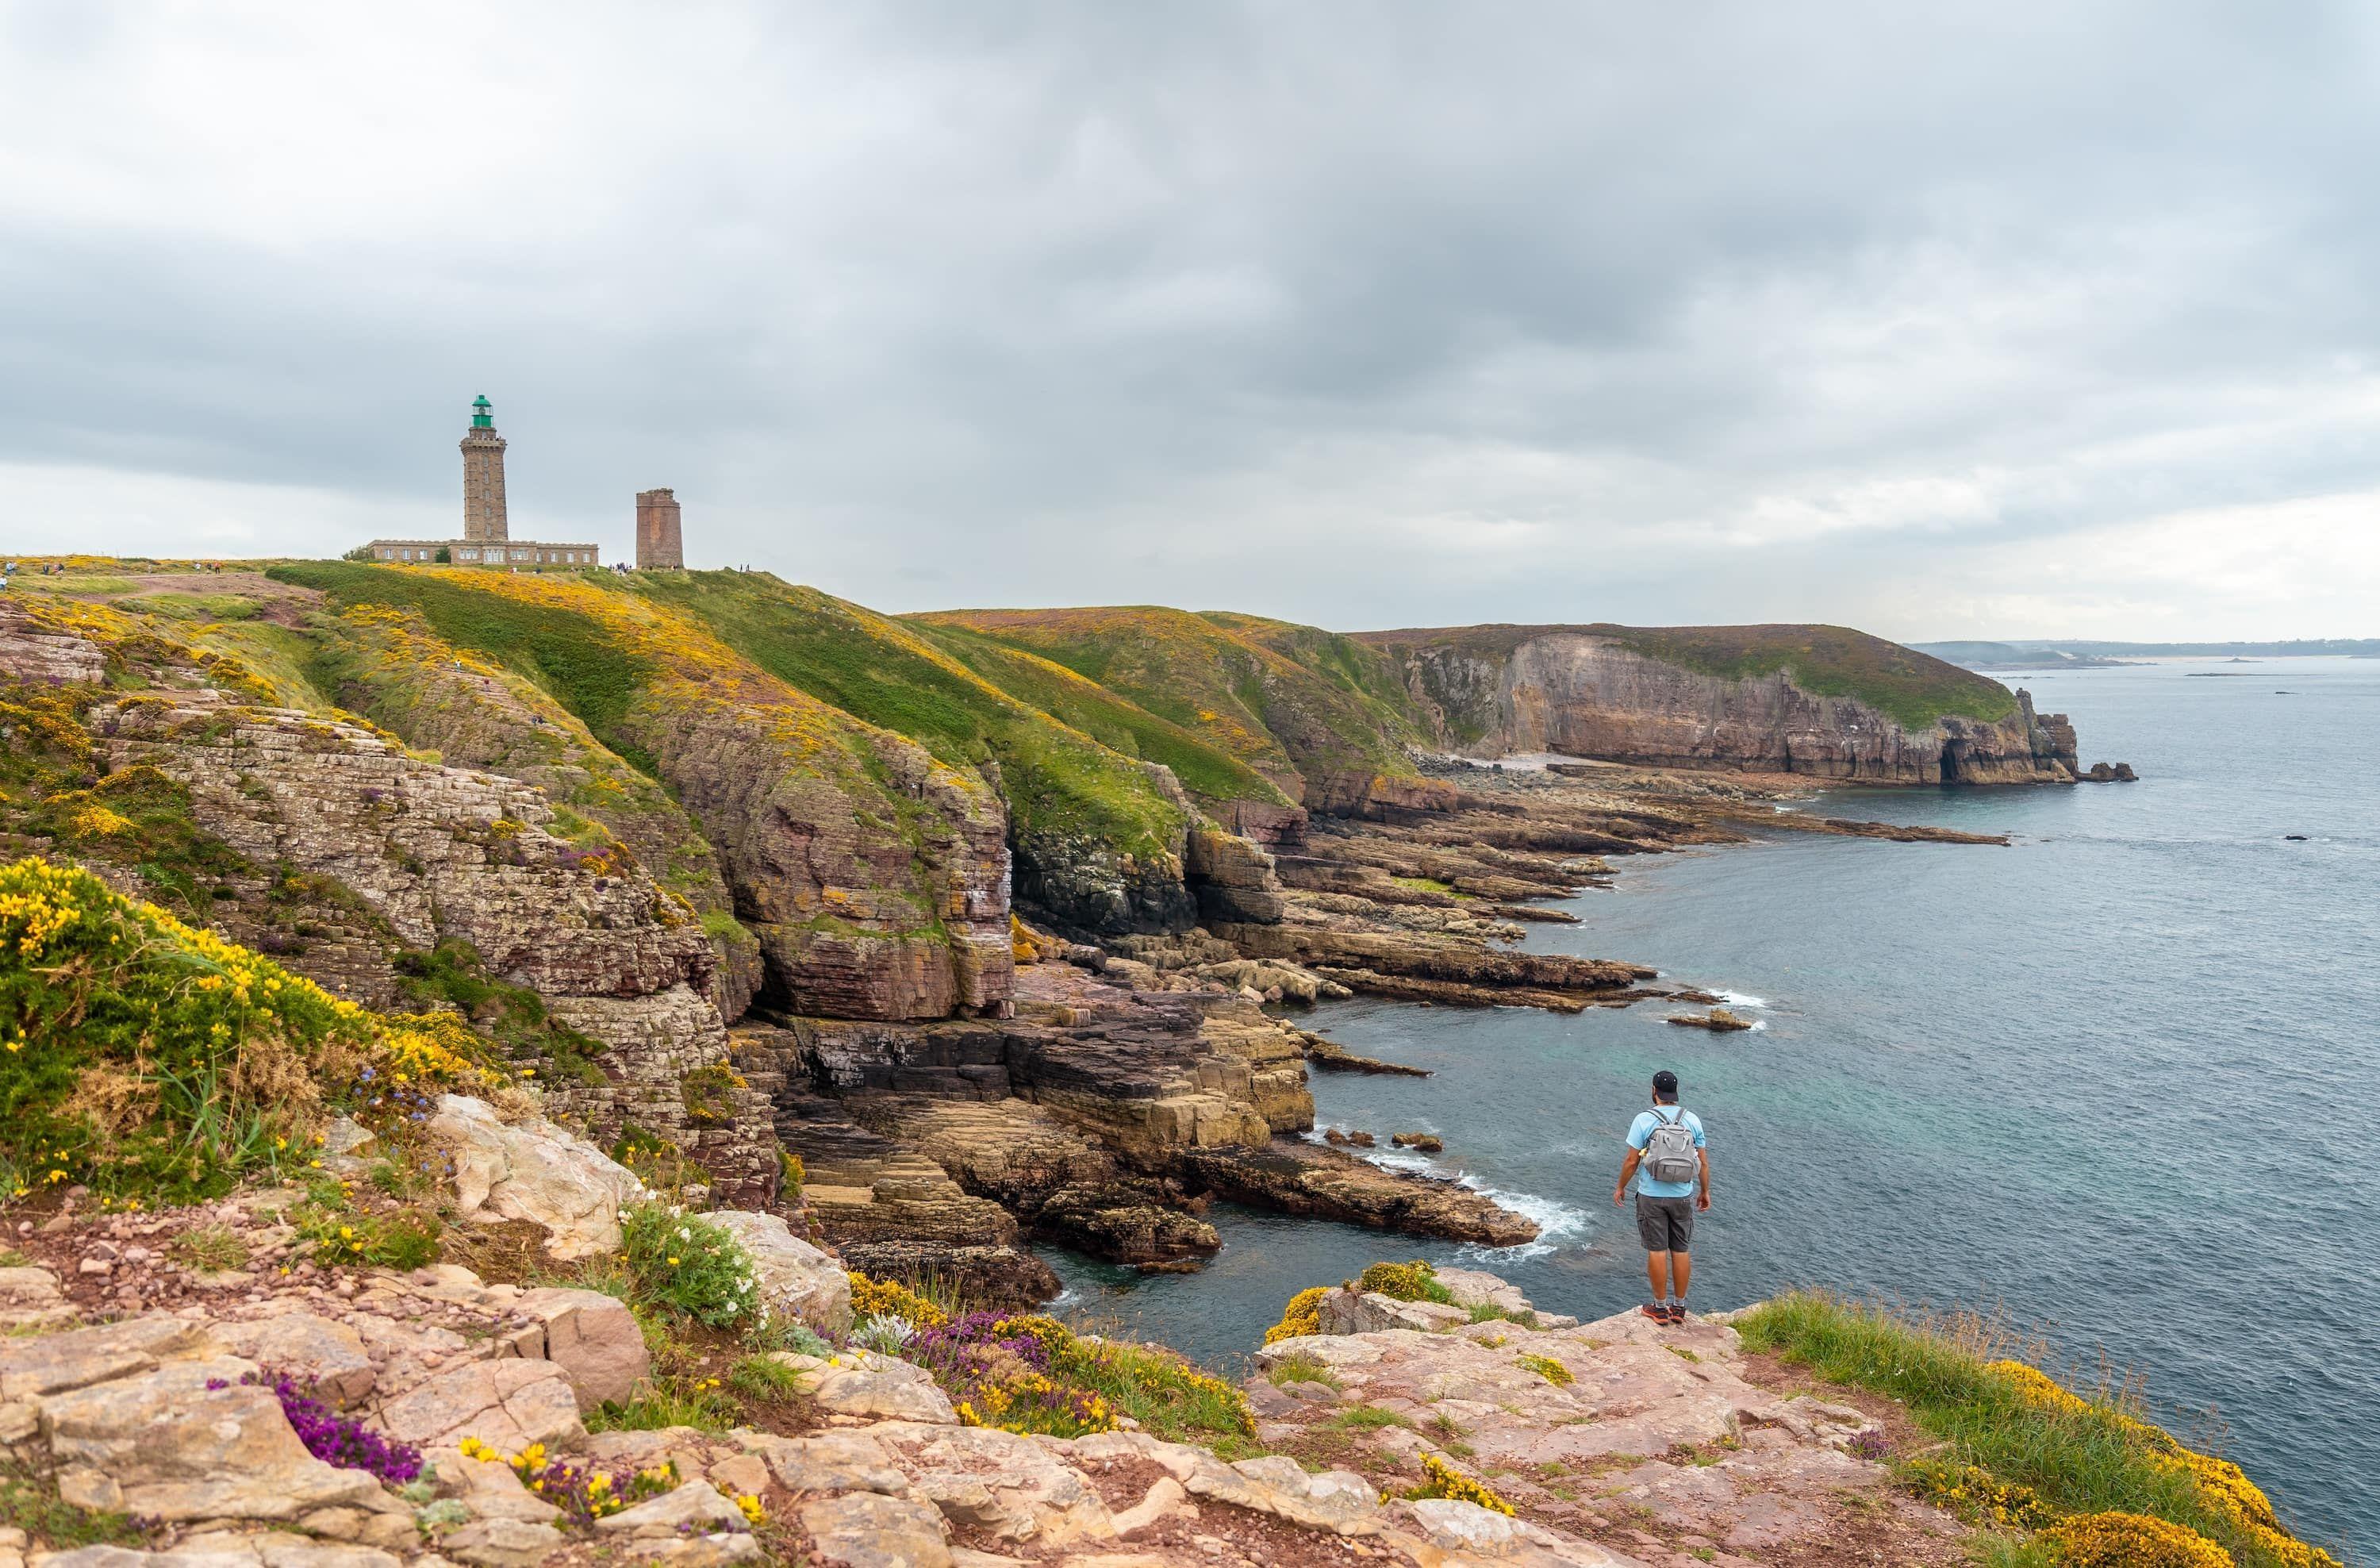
1264, 692
1366, 1418
2079, 1457
29, 1502
1302, 1370
759, 1377
1059, 779
592, 674
210, 1247
513, 1017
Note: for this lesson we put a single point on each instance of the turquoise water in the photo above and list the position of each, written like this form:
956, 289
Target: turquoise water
2114, 1082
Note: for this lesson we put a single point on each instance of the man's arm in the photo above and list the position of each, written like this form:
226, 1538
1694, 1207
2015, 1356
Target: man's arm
1702, 1197
1627, 1174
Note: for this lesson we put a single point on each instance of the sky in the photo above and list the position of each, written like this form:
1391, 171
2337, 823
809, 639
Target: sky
1945, 321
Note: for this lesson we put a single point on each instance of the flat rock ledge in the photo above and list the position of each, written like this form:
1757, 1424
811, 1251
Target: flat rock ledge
1673, 1456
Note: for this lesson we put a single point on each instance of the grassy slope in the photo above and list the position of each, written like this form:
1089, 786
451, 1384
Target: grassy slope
1243, 684
1058, 779
1913, 688
2043, 1454
627, 667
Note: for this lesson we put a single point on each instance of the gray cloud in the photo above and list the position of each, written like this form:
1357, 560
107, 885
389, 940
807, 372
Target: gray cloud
1937, 320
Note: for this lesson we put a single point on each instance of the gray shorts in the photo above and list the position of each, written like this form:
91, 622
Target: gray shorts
1665, 1224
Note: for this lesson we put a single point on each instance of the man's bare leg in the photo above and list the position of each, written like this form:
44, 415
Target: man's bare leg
1656, 1270
1681, 1268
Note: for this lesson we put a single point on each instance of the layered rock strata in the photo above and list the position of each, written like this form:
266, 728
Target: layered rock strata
440, 854
1584, 693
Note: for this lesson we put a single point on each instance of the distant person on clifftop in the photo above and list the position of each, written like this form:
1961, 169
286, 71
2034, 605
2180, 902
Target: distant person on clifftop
1669, 1169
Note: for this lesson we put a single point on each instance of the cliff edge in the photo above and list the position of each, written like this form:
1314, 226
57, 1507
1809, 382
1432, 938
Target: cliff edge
1822, 700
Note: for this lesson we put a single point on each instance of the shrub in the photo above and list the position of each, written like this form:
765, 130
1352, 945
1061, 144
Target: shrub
878, 1298
1976, 1493
1416, 1281
1441, 1479
689, 1265
709, 1094
150, 1058
2133, 1540
1303, 1315
1549, 1368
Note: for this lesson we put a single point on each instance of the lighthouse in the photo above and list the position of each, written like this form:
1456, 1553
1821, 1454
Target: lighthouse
483, 477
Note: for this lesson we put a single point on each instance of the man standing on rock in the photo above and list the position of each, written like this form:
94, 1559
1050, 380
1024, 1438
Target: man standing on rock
1667, 1165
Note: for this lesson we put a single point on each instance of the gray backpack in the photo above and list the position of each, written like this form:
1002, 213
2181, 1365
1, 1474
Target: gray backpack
1670, 1151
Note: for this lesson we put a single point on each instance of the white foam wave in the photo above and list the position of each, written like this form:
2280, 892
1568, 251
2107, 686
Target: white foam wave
1742, 999
1557, 1224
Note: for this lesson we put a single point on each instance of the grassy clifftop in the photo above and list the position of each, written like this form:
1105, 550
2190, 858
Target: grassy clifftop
1290, 702
1914, 690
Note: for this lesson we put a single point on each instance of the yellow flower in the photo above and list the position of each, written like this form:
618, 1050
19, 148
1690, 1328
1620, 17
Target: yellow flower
672, 1262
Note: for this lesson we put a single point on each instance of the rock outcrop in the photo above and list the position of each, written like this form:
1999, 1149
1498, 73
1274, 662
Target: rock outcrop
1691, 1459
1796, 707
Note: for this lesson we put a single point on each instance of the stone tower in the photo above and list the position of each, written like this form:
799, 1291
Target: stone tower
659, 546
483, 477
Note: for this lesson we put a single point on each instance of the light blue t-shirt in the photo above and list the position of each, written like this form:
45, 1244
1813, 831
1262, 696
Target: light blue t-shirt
1640, 1132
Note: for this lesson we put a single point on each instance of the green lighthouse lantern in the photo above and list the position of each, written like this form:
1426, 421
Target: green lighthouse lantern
482, 413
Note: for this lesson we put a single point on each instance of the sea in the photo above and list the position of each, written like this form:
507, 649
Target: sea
2114, 1085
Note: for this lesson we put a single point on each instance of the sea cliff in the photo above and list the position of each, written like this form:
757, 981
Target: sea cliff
1820, 701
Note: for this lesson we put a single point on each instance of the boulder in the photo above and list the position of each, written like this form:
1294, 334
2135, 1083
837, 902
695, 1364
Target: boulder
594, 1339
329, 1354
796, 1277
1345, 1312
1476, 1287
501, 1543
1010, 1487
534, 1169
695, 1508
861, 1382
508, 1404
833, 1462
863, 1530
172, 1448
78, 1358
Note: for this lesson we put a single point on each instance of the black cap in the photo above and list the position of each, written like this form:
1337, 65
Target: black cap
1665, 1083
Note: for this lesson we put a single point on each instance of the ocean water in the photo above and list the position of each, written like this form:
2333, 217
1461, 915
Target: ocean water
2116, 1083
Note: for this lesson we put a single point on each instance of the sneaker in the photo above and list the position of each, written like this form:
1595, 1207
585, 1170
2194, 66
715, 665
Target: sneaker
1659, 1313
1676, 1313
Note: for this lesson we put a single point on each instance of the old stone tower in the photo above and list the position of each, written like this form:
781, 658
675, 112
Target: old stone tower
659, 546
483, 478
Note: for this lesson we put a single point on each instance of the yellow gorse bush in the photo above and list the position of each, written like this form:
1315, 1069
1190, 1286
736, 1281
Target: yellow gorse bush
1303, 1315
874, 1299
2133, 1540
1441, 1479
155, 1058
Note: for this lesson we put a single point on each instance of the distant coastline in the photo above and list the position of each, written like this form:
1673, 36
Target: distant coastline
2050, 654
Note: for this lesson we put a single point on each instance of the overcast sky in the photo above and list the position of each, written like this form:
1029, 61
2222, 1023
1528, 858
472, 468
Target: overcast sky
2017, 319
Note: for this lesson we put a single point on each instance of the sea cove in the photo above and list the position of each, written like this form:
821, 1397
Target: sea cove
2056, 1080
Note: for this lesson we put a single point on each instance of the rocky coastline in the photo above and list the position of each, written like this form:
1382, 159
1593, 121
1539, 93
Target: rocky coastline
744, 932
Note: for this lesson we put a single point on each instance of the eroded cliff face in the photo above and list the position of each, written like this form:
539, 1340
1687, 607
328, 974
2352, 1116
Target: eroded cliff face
1589, 695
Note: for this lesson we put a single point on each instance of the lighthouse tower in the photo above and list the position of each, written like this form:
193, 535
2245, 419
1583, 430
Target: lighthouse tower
483, 477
